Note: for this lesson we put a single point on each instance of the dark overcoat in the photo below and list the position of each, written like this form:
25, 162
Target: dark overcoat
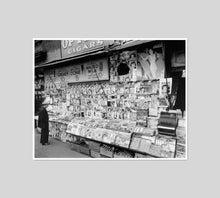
43, 123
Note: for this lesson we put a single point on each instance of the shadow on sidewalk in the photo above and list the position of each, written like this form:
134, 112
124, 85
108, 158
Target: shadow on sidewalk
56, 149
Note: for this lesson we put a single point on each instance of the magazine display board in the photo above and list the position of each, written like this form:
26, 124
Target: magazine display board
123, 115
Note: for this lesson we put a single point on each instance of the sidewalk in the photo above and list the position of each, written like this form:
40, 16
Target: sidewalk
56, 149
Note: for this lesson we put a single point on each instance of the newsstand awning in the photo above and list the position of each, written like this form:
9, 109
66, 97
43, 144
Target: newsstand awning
102, 50
91, 53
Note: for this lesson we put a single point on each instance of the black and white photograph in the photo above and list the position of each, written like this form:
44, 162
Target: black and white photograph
106, 99
110, 99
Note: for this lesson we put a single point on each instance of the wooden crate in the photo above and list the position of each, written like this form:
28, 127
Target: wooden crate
84, 150
95, 154
107, 150
94, 146
75, 147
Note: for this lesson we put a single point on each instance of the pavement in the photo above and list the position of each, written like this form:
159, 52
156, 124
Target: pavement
56, 149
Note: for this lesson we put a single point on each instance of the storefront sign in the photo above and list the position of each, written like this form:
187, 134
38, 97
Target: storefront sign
85, 72
71, 48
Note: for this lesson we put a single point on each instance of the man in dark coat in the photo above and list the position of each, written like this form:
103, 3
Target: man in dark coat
43, 124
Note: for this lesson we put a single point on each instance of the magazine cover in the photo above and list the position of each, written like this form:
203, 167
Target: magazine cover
165, 87
151, 65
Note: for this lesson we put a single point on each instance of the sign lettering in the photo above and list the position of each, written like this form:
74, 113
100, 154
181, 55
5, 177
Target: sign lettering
84, 72
75, 47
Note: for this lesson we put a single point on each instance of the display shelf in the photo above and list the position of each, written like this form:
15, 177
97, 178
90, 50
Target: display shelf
145, 94
98, 141
60, 121
122, 147
118, 146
